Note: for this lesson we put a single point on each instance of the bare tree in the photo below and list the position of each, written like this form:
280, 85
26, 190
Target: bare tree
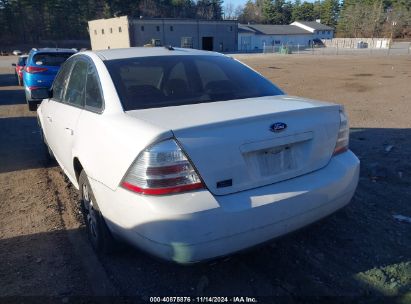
362, 20
252, 12
238, 11
398, 22
229, 11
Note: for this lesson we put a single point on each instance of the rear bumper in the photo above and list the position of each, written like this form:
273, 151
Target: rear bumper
33, 80
28, 91
197, 226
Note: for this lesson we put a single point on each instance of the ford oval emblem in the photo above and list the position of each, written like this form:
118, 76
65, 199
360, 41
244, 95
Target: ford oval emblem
278, 127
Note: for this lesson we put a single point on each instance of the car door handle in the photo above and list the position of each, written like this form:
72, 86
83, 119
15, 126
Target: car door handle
69, 131
49, 118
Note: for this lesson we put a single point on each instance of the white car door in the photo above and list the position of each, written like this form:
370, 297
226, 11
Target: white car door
65, 115
48, 105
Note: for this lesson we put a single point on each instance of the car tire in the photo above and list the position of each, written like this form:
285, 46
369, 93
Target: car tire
98, 233
32, 105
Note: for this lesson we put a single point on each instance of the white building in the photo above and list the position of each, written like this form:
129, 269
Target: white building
253, 37
320, 31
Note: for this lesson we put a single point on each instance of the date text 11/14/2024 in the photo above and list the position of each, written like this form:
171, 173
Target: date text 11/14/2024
203, 299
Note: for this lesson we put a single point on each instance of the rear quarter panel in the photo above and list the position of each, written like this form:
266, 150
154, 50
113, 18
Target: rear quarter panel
106, 145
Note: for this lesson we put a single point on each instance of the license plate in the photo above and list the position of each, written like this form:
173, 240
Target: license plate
275, 160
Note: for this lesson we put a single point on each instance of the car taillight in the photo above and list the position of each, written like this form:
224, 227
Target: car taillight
343, 134
33, 70
162, 169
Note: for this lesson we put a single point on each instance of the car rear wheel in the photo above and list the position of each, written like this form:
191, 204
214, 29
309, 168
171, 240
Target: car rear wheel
32, 105
97, 230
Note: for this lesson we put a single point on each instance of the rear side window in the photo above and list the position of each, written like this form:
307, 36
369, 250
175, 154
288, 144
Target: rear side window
50, 59
162, 81
94, 99
60, 82
75, 88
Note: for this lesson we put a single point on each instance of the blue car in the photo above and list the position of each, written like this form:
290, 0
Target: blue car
40, 70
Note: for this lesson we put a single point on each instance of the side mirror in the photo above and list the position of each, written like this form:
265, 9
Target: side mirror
41, 93
13, 64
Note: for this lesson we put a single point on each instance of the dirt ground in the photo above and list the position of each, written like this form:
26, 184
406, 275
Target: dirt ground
361, 253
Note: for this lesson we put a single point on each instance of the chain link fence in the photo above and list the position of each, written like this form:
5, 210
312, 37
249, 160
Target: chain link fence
399, 48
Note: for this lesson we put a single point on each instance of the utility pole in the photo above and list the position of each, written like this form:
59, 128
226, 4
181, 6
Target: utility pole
394, 24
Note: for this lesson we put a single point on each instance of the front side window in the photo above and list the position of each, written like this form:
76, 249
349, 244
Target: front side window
75, 88
61, 79
94, 99
162, 81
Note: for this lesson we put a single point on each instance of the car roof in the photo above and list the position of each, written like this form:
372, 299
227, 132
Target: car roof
148, 52
54, 50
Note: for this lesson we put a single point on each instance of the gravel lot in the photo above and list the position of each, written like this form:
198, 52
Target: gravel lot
361, 253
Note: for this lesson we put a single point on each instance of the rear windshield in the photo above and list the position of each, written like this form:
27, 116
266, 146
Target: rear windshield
51, 59
161, 81
22, 61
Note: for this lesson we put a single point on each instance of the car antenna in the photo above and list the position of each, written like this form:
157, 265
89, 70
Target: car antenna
169, 47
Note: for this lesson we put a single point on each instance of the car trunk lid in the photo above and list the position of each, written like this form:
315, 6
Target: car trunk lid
233, 143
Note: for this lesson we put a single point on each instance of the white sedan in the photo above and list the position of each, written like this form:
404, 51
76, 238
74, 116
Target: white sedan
192, 155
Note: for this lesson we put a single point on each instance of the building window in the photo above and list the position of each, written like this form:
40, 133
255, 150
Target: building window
142, 28
171, 28
328, 32
323, 32
231, 28
111, 30
187, 42
158, 28
119, 29
102, 31
95, 32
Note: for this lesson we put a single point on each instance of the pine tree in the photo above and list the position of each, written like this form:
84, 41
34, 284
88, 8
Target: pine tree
329, 12
303, 12
277, 11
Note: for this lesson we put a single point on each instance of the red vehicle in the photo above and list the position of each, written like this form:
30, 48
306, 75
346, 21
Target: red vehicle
19, 66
